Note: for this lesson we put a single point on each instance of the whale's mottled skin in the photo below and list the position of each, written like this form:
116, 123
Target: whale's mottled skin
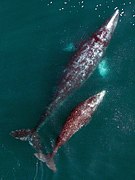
79, 117
81, 66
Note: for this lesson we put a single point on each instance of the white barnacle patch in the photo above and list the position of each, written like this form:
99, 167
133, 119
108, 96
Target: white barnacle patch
97, 49
68, 83
100, 54
96, 45
85, 112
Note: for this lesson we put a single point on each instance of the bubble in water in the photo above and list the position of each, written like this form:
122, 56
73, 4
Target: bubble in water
103, 68
124, 121
70, 47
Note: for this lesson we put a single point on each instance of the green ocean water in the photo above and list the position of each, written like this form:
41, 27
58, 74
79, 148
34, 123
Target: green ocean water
37, 39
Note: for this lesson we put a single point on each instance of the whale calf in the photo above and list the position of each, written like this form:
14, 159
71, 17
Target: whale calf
79, 117
81, 66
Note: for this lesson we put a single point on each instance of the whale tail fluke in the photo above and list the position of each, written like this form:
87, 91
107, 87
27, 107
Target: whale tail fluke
48, 159
29, 135
22, 134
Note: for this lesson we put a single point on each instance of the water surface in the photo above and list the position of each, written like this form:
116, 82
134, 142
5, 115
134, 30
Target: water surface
37, 39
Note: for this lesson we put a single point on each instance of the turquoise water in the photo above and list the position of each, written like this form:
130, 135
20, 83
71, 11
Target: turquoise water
37, 40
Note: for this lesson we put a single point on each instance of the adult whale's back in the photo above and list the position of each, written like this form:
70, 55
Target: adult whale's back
81, 66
